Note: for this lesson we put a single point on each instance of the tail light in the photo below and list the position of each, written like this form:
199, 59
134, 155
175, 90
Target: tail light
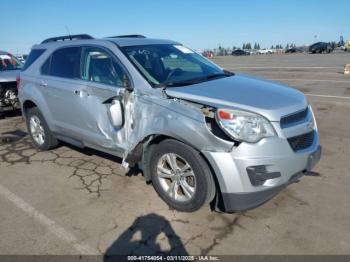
18, 81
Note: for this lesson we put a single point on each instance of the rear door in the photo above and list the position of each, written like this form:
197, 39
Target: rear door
59, 82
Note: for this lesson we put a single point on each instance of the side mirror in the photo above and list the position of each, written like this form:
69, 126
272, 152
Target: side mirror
126, 83
116, 113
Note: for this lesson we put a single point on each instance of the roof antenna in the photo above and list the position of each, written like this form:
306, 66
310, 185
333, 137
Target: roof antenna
68, 32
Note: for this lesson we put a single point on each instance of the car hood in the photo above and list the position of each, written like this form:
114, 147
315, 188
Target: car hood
266, 98
9, 76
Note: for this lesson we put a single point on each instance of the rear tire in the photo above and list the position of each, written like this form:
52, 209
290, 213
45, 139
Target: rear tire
180, 175
38, 129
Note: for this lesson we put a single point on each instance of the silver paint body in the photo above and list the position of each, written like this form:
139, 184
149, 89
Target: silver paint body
149, 111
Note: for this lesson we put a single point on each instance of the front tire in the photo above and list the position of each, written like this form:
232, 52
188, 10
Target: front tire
38, 129
180, 175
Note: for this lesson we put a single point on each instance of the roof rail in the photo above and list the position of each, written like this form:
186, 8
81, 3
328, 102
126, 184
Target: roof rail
67, 37
127, 36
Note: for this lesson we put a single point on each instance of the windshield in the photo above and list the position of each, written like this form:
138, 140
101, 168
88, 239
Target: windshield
9, 62
171, 65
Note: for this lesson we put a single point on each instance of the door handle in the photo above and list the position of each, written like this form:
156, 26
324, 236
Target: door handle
81, 92
43, 83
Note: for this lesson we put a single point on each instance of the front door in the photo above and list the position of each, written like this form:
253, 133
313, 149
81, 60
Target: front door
101, 98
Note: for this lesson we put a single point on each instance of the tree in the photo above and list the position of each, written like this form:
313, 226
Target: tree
221, 51
287, 46
258, 46
248, 46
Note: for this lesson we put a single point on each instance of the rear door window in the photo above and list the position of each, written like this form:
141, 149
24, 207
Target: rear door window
64, 62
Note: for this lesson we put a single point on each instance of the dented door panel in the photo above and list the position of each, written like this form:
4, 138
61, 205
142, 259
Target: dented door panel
98, 127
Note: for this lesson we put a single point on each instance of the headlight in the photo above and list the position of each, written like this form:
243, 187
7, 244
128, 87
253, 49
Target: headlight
244, 126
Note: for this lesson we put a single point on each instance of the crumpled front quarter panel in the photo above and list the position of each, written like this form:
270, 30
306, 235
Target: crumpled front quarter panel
154, 115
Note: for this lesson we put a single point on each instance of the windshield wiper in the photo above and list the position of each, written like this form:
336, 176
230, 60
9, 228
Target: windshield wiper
213, 76
176, 84
195, 81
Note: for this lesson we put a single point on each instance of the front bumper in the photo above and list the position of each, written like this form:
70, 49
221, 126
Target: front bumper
233, 202
238, 191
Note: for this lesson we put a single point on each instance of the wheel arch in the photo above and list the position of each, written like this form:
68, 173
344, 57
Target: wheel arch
27, 104
38, 102
151, 140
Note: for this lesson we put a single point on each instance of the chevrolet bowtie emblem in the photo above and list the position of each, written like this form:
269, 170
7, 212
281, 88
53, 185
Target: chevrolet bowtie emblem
310, 125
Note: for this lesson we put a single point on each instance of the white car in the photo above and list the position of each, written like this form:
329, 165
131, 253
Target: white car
265, 51
20, 58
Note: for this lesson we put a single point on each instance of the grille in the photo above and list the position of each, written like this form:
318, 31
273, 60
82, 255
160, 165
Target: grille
294, 118
301, 142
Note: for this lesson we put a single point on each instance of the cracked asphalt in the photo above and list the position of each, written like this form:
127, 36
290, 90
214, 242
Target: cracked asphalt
59, 201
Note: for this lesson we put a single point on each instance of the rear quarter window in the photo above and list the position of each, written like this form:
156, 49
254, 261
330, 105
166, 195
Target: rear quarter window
45, 68
33, 56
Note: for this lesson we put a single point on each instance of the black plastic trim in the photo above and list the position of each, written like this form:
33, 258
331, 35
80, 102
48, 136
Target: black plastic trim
294, 119
67, 37
258, 175
127, 36
234, 202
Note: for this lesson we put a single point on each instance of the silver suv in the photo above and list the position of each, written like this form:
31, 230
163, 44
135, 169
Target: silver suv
199, 133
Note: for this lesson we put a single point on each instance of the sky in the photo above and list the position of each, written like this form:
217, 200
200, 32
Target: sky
196, 24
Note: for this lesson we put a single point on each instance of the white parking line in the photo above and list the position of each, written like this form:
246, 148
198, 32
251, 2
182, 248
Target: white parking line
310, 80
282, 67
326, 96
51, 225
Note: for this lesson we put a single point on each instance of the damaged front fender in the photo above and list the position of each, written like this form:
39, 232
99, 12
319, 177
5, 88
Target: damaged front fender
156, 114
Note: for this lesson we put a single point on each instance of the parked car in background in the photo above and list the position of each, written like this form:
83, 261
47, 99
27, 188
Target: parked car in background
208, 54
239, 52
265, 51
21, 58
320, 47
10, 67
294, 50
198, 132
347, 46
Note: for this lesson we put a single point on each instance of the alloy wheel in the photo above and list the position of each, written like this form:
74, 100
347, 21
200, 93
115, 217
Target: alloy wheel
176, 177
